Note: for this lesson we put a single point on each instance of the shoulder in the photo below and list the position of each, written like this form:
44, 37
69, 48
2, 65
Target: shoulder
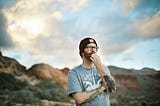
107, 69
75, 69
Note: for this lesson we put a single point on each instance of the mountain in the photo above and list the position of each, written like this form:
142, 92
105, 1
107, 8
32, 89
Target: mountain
10, 65
134, 87
144, 82
42, 71
39, 71
40, 85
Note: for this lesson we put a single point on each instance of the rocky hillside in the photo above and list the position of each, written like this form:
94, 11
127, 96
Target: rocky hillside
144, 82
42, 71
40, 85
10, 65
135, 87
38, 71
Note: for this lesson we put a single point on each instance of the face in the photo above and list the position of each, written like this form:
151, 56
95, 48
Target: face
89, 50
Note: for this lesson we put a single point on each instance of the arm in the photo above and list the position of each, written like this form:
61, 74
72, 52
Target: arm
96, 60
107, 79
75, 90
81, 97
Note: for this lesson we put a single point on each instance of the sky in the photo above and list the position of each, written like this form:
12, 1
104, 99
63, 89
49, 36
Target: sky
49, 31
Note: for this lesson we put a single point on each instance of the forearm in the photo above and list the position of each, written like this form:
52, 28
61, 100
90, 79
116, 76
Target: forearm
108, 80
101, 69
86, 96
97, 62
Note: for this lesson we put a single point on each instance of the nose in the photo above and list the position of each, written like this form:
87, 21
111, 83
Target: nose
94, 50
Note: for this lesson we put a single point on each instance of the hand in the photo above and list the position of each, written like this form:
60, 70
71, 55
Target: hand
110, 82
101, 89
95, 59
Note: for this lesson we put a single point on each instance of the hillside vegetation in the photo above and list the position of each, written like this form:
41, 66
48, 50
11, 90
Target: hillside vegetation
43, 85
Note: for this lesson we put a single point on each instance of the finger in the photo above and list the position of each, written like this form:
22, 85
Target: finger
91, 58
93, 55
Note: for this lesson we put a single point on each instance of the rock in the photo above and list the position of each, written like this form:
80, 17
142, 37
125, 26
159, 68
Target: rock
53, 103
41, 71
10, 65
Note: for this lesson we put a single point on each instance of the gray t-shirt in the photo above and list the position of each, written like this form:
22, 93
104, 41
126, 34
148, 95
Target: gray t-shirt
81, 79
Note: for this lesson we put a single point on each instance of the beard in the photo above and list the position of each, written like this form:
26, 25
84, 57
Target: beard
88, 56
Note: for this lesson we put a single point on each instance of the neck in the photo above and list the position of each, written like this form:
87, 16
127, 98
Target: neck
87, 63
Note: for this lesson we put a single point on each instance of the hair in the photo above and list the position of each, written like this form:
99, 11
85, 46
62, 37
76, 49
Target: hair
85, 42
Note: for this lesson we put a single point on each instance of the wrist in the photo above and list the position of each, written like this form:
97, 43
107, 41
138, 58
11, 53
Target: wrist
101, 89
94, 93
101, 69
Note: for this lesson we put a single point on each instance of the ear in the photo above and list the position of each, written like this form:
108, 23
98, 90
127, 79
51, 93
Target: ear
82, 55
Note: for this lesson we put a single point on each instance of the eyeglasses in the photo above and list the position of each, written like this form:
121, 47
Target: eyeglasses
92, 47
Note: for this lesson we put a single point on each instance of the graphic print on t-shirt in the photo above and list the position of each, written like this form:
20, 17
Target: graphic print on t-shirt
91, 81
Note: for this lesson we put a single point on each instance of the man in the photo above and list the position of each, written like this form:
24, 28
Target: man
87, 83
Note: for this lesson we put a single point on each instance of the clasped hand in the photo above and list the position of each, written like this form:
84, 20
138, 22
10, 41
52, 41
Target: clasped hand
95, 59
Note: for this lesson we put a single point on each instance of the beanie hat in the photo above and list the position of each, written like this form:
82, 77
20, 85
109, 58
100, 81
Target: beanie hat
85, 42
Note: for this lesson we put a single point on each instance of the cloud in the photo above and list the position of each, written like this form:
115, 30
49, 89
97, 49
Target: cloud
136, 7
50, 44
7, 3
120, 32
150, 6
75, 5
53, 50
5, 38
58, 15
126, 6
128, 51
148, 27
50, 30
50, 15
116, 48
27, 20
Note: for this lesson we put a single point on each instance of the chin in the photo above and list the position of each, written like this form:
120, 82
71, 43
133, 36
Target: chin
88, 58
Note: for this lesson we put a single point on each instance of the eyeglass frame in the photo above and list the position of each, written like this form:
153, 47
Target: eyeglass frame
92, 47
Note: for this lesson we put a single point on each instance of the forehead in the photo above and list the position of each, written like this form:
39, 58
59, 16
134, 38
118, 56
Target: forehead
91, 44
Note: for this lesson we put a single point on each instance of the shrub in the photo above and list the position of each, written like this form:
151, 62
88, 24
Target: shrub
50, 90
8, 81
14, 91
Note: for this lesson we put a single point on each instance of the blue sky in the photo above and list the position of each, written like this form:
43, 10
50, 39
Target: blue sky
49, 31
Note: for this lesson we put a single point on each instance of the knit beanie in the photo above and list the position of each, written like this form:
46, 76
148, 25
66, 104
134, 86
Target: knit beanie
85, 42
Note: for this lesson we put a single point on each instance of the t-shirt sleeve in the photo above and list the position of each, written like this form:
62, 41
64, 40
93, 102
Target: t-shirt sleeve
73, 83
107, 70
109, 73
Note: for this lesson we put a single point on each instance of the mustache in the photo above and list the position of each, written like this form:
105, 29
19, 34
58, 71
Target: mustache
88, 55
92, 53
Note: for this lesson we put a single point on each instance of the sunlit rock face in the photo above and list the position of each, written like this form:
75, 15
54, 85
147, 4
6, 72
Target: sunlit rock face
41, 71
10, 65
